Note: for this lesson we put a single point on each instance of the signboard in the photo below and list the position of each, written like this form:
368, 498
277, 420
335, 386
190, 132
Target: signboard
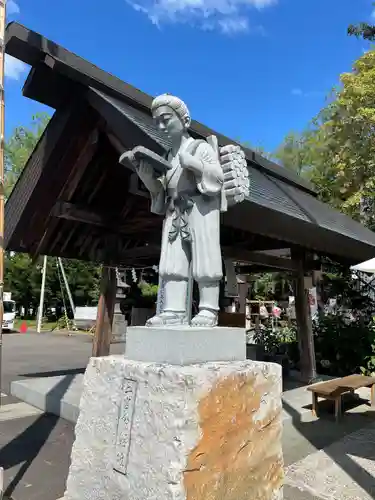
124, 427
313, 301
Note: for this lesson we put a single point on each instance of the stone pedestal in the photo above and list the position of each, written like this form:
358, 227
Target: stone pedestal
183, 345
158, 431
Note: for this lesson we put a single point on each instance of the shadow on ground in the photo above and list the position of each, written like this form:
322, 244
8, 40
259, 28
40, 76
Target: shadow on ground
25, 447
325, 431
57, 373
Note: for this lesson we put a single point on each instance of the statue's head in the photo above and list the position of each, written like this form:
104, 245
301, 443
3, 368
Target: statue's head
171, 115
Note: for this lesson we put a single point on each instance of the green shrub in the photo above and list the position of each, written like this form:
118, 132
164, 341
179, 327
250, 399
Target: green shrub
275, 340
344, 346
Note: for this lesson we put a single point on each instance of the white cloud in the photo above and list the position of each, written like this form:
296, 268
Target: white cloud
14, 68
227, 16
12, 7
227, 25
309, 93
234, 25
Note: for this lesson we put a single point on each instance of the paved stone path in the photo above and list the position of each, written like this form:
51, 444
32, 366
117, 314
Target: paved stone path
326, 460
34, 452
345, 470
323, 460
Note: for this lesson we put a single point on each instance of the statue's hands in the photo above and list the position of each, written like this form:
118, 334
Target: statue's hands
145, 171
187, 160
146, 174
191, 162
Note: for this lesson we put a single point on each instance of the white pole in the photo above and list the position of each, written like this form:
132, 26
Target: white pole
1, 483
41, 303
66, 285
2, 136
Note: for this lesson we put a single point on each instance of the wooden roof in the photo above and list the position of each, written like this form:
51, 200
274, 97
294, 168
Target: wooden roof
75, 200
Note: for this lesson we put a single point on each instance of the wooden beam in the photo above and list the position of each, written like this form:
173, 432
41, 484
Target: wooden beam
70, 211
232, 237
255, 269
141, 252
25, 192
112, 222
270, 261
304, 323
104, 318
248, 258
117, 144
82, 162
74, 161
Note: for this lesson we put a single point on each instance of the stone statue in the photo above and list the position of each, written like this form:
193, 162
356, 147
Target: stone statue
191, 193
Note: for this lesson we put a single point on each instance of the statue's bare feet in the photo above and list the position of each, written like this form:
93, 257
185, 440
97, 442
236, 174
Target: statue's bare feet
167, 318
205, 318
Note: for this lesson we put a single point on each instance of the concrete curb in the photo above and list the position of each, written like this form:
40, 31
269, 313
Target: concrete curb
58, 395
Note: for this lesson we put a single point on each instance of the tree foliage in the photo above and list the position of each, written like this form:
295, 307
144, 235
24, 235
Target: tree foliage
363, 30
24, 278
19, 147
294, 153
337, 151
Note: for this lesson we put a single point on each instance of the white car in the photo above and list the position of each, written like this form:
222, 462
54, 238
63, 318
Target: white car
9, 314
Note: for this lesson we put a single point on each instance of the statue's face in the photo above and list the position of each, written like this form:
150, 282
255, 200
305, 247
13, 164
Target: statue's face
169, 122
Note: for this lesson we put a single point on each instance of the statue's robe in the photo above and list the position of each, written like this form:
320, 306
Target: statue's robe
191, 203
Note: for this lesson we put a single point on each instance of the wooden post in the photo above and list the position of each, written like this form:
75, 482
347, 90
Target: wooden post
104, 318
304, 323
2, 202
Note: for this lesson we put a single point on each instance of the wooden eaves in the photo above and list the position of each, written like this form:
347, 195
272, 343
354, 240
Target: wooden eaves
75, 200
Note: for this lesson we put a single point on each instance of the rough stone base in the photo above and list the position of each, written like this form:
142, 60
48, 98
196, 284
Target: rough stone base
149, 431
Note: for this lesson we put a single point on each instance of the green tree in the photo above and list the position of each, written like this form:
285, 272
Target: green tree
84, 281
337, 151
347, 128
23, 278
294, 153
363, 30
19, 147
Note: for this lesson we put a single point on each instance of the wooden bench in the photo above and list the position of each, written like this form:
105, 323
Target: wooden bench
334, 390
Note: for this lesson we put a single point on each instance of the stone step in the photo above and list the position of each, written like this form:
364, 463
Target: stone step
17, 410
59, 395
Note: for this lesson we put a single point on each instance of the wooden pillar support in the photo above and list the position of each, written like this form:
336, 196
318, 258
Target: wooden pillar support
104, 318
304, 323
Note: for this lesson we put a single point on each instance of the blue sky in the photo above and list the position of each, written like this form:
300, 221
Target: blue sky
251, 69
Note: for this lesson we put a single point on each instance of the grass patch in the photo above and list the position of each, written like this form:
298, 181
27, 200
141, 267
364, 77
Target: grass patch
32, 324
47, 326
